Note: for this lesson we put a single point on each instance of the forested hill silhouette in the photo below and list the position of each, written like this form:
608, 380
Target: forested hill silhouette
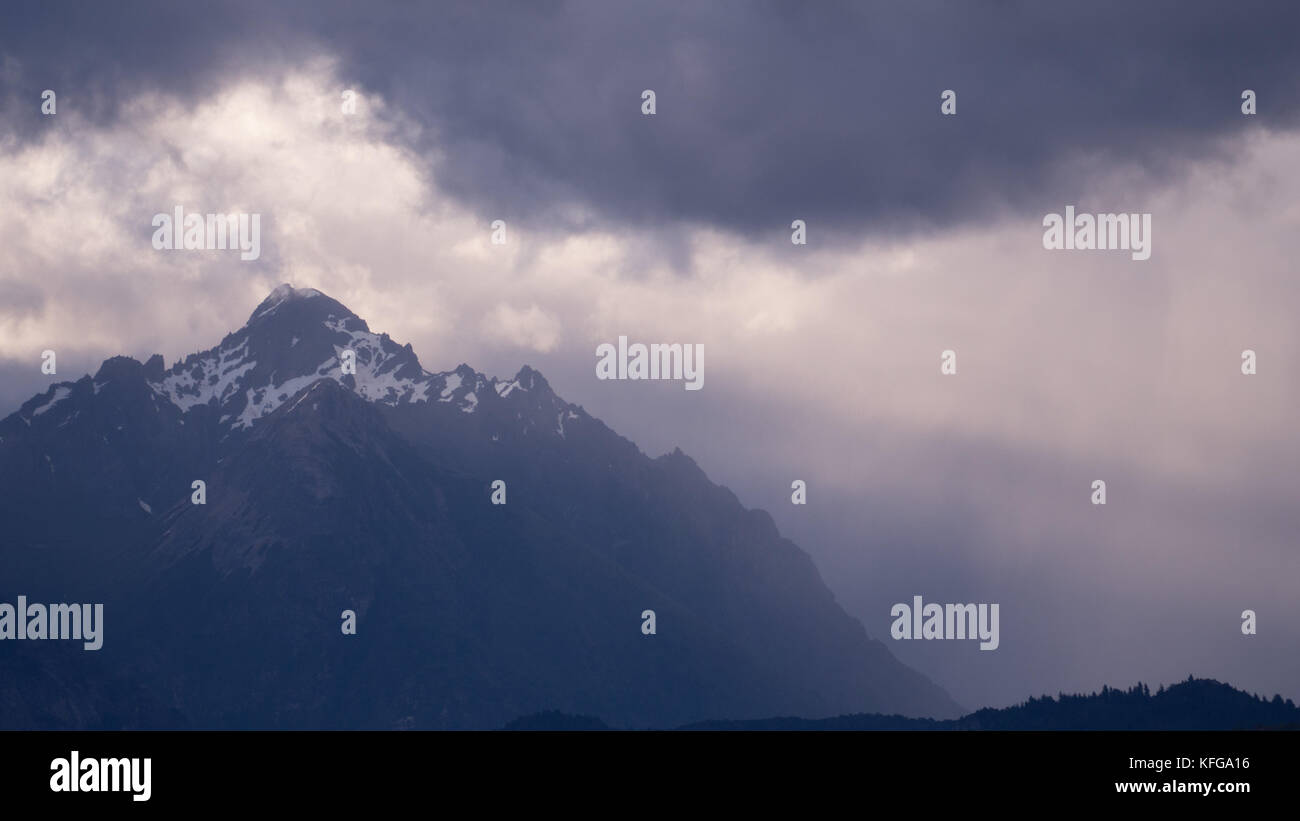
1195, 704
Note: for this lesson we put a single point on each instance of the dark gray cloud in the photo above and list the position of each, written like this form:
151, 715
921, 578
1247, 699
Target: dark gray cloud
20, 300
766, 111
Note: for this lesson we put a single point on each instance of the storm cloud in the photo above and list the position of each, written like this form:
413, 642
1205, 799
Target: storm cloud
767, 112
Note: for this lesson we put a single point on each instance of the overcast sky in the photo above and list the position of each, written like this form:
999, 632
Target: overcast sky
924, 234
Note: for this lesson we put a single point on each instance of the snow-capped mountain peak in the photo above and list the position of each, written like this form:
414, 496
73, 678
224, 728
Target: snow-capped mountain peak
299, 335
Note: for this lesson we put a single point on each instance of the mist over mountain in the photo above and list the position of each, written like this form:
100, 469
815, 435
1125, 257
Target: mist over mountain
371, 491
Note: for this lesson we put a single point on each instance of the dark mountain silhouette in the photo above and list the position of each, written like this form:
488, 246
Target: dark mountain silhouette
553, 720
1195, 704
370, 491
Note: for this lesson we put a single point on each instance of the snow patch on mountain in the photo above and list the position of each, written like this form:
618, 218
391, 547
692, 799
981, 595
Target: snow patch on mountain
378, 361
449, 385
261, 402
215, 375
61, 392
504, 389
260, 367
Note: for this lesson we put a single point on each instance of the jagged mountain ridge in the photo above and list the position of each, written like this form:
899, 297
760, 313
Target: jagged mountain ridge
293, 338
327, 492
240, 375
